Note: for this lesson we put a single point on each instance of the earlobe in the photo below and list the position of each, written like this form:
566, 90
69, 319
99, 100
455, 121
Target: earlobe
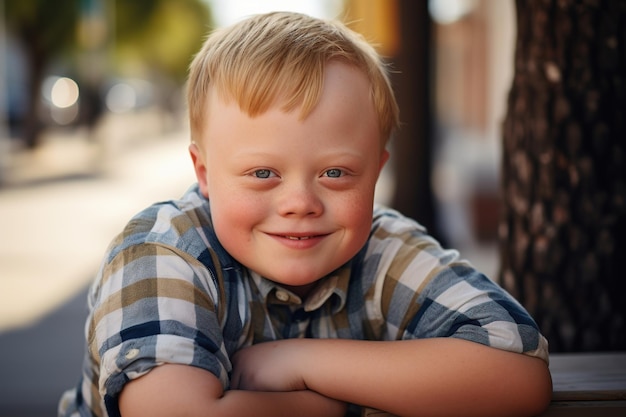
384, 157
199, 167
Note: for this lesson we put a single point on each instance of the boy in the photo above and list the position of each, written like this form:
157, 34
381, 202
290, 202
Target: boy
273, 287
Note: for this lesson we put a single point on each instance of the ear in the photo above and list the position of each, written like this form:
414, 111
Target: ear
199, 167
384, 157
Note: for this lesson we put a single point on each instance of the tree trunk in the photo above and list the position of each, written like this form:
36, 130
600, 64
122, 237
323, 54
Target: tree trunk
563, 228
32, 125
413, 194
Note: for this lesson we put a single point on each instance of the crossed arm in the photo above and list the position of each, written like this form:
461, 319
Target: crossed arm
317, 377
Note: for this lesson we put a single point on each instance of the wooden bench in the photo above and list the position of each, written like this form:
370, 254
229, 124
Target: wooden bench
588, 385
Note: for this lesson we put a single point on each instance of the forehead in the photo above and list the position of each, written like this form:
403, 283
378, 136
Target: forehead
344, 103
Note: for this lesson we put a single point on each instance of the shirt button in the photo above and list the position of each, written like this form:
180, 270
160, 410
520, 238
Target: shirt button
132, 353
282, 295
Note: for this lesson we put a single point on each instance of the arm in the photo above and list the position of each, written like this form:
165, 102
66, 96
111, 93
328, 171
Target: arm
181, 390
443, 376
186, 385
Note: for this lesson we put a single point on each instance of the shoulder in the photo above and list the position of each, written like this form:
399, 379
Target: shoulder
169, 239
396, 235
385, 216
183, 224
400, 251
172, 238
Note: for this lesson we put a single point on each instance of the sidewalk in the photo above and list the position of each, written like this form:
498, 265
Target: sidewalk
65, 203
56, 219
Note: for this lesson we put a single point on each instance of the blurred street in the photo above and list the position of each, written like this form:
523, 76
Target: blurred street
60, 205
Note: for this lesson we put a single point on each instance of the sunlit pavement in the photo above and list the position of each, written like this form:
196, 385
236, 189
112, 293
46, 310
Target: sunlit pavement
56, 219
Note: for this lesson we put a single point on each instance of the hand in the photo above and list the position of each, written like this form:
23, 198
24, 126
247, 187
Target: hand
269, 366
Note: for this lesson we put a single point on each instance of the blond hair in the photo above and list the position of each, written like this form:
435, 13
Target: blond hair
280, 58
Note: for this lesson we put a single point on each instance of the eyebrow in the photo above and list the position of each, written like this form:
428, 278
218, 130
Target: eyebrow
251, 153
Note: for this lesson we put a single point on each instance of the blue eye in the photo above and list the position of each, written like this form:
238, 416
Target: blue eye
334, 173
262, 173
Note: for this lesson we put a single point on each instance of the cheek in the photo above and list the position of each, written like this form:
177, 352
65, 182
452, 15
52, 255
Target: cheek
234, 216
356, 215
230, 225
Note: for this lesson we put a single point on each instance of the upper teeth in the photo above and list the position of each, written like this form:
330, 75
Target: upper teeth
298, 238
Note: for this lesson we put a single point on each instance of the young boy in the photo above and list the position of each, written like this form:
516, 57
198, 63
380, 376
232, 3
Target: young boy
273, 286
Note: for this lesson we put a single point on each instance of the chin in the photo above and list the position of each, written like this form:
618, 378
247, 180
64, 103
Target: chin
296, 278
296, 282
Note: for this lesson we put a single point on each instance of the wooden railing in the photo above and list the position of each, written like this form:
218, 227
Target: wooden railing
588, 385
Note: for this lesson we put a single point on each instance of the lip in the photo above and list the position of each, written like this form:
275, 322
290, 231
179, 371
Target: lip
298, 240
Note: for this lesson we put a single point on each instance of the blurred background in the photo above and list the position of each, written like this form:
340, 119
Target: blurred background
93, 128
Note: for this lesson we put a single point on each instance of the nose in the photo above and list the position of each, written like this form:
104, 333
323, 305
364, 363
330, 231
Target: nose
298, 198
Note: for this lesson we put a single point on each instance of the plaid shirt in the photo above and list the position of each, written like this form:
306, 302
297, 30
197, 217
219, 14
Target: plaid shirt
167, 292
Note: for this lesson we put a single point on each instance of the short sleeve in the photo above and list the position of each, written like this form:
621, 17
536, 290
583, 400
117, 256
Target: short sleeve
153, 306
428, 291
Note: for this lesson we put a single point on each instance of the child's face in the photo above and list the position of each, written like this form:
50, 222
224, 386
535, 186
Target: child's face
292, 199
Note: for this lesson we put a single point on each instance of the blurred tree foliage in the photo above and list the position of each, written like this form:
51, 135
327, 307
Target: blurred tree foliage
160, 35
45, 29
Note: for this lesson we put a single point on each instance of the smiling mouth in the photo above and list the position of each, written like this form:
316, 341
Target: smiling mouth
299, 241
298, 237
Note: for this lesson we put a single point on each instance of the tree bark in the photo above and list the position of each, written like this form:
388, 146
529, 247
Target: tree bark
563, 227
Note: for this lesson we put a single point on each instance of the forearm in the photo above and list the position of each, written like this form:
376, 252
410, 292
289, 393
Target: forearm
427, 377
303, 403
179, 390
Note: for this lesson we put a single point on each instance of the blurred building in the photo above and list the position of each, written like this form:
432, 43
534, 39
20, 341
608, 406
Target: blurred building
470, 67
473, 68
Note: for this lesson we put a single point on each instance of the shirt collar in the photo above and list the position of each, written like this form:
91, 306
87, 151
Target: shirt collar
334, 286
